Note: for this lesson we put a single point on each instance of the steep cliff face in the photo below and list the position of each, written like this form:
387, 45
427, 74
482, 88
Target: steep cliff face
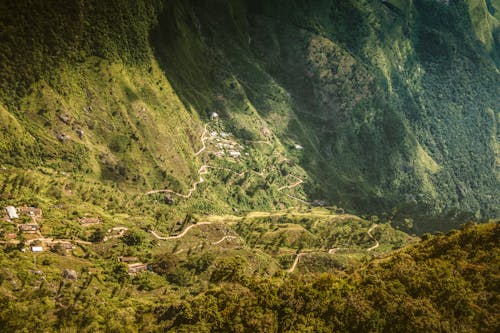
373, 105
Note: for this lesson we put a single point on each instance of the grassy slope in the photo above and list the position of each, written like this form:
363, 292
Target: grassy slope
355, 84
446, 283
372, 105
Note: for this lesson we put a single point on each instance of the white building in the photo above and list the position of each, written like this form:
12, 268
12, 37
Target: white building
234, 153
12, 212
298, 147
36, 249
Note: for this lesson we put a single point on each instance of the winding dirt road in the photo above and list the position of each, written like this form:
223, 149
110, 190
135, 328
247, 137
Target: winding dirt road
369, 232
202, 171
300, 181
298, 199
223, 239
334, 250
295, 262
182, 234
203, 141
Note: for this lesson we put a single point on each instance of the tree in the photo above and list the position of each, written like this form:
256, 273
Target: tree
97, 236
228, 269
120, 272
166, 264
132, 238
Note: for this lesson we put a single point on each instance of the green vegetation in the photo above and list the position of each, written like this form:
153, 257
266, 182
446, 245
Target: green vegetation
394, 103
445, 283
249, 165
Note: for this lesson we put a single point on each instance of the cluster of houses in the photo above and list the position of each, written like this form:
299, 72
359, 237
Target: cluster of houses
225, 145
12, 213
15, 213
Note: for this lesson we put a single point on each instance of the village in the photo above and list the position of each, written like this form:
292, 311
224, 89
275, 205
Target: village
222, 142
28, 222
23, 225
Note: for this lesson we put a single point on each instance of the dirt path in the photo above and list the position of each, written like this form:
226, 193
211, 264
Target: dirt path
202, 171
369, 232
295, 262
300, 181
41, 239
201, 245
223, 239
182, 234
82, 242
203, 141
298, 199
334, 250
52, 240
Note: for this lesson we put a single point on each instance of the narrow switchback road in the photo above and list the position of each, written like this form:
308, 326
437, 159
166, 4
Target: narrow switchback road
300, 181
223, 239
182, 234
371, 236
334, 250
295, 262
202, 171
203, 141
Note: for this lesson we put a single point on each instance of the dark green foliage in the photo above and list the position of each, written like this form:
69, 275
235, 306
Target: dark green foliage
98, 235
120, 272
445, 284
133, 238
48, 33
201, 262
393, 103
167, 265
228, 270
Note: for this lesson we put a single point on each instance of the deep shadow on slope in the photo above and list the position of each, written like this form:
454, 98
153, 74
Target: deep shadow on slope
368, 127
200, 49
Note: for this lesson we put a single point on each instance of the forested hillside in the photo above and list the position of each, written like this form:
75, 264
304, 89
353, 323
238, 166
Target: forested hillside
376, 106
249, 166
446, 283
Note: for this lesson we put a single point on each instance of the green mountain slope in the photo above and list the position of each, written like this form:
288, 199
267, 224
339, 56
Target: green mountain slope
444, 283
166, 159
373, 106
